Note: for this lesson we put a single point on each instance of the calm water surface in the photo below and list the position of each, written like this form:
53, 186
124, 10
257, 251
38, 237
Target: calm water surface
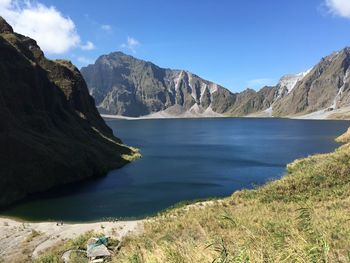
185, 159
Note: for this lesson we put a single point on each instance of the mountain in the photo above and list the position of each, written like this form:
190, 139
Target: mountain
275, 93
124, 85
324, 88
251, 101
50, 132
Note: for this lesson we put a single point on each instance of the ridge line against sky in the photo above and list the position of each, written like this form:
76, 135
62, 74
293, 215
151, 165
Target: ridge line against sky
238, 45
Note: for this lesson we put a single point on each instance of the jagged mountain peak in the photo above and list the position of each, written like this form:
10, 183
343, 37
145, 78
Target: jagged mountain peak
4, 26
134, 87
120, 56
346, 51
337, 55
288, 82
324, 88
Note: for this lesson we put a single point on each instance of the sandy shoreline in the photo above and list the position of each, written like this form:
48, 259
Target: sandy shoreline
159, 117
21, 240
338, 114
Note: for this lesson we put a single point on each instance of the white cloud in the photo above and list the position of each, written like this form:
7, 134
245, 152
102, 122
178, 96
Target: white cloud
5, 3
107, 28
261, 82
88, 46
131, 44
339, 7
54, 32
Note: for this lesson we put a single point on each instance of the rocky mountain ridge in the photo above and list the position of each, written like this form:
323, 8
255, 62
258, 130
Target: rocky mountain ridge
324, 88
124, 85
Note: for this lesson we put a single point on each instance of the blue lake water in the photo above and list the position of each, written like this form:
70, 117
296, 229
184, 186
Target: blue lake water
185, 159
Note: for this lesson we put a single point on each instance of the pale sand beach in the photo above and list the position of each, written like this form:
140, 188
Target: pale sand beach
25, 240
325, 114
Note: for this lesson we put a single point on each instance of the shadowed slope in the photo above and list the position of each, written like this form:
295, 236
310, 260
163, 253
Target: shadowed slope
50, 131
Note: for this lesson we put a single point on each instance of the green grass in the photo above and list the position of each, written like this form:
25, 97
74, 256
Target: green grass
54, 254
33, 235
303, 217
133, 155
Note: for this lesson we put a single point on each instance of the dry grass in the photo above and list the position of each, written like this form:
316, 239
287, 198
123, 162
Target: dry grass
55, 253
33, 235
134, 155
345, 137
304, 217
340, 116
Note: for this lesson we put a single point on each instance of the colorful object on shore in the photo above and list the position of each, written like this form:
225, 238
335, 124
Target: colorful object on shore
97, 248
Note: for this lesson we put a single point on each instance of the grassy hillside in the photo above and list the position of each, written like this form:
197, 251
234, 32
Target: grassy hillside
303, 217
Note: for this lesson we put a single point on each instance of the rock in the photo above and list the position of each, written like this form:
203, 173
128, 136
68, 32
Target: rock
98, 251
50, 132
124, 85
4, 26
66, 255
97, 247
325, 86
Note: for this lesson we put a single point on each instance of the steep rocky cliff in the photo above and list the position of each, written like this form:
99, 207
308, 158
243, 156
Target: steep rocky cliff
124, 85
324, 87
50, 131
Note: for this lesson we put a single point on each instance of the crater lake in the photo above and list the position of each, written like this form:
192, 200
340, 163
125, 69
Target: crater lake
184, 159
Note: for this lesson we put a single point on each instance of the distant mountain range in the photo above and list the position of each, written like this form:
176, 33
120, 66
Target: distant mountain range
124, 85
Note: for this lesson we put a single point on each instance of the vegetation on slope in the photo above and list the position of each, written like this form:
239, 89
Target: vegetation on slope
303, 217
51, 132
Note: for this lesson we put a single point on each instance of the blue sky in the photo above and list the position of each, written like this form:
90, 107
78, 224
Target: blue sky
236, 43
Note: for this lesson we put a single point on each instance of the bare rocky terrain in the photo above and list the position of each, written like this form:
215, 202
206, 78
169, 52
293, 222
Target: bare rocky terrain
126, 86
